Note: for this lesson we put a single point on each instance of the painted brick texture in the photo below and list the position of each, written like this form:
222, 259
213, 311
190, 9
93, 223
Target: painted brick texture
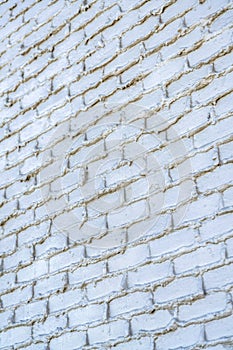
116, 175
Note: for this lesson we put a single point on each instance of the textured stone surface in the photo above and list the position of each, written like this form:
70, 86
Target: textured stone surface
161, 277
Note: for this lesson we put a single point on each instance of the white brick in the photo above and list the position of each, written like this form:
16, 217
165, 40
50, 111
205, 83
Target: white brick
199, 258
216, 227
132, 256
8, 244
172, 242
18, 296
65, 259
85, 273
51, 325
200, 208
88, 314
7, 282
51, 284
130, 302
211, 304
151, 322
6, 318
68, 341
15, 336
162, 36
218, 278
33, 233
226, 152
52, 244
30, 311
220, 176
138, 344
219, 328
149, 273
222, 63
65, 300
37, 269
108, 331
139, 31
217, 87
228, 197
229, 244
181, 338
103, 288
163, 72
210, 48
179, 289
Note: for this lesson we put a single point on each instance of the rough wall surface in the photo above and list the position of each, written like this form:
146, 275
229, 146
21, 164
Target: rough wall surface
162, 276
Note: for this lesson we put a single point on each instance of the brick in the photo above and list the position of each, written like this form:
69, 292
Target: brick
173, 242
214, 89
199, 258
7, 282
219, 328
219, 177
187, 81
182, 43
108, 331
226, 152
65, 300
51, 245
163, 73
151, 322
204, 161
160, 37
65, 259
178, 289
182, 337
31, 311
68, 340
139, 32
51, 284
138, 344
200, 208
87, 314
210, 48
130, 303
149, 273
103, 288
218, 278
33, 233
205, 10
71, 41
123, 216
50, 326
132, 256
211, 304
18, 296
227, 197
8, 244
82, 84
176, 9
15, 336
216, 227
6, 318
102, 56
37, 269
122, 60
222, 21
60, 61
222, 63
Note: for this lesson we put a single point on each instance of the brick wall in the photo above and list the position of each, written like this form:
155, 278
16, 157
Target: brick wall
116, 174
